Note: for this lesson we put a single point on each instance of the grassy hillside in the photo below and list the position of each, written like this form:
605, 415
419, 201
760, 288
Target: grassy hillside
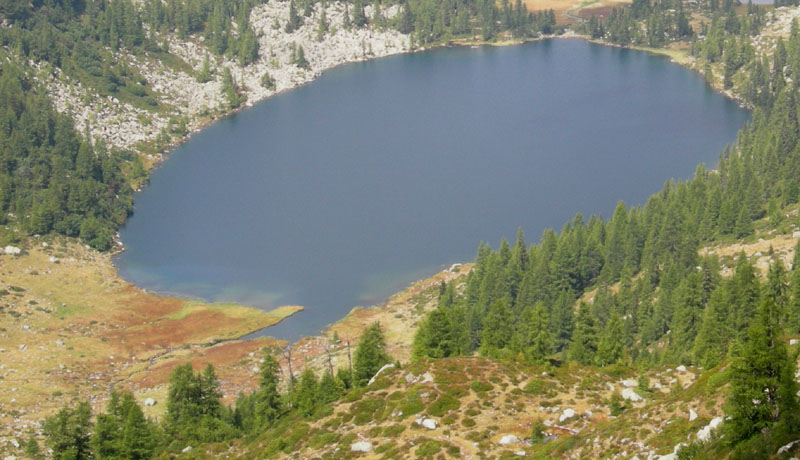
465, 407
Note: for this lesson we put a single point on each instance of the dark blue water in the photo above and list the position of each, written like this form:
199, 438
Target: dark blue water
339, 193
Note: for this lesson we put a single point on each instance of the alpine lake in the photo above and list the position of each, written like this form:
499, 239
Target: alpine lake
343, 191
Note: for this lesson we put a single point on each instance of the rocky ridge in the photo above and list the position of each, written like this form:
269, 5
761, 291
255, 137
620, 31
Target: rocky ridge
124, 126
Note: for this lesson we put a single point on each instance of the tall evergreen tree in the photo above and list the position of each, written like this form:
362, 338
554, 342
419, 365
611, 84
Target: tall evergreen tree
584, 340
711, 342
268, 404
69, 433
611, 345
370, 355
435, 337
687, 316
763, 391
307, 393
794, 304
497, 328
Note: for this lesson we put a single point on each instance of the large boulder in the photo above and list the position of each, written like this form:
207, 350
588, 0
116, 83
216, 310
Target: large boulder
787, 447
566, 415
631, 395
428, 423
705, 433
361, 446
380, 371
12, 250
508, 439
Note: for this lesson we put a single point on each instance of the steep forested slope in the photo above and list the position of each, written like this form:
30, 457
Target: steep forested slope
604, 316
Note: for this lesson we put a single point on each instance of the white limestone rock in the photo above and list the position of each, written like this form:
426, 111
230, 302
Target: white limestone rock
508, 439
361, 446
705, 433
567, 414
631, 395
380, 371
12, 250
787, 447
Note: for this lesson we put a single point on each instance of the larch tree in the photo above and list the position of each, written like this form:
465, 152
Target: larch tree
370, 355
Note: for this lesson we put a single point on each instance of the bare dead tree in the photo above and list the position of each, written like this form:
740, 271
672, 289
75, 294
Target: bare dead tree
330, 361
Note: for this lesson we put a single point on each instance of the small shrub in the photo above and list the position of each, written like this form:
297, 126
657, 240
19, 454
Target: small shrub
443, 404
323, 439
479, 387
535, 387
394, 430
428, 448
538, 432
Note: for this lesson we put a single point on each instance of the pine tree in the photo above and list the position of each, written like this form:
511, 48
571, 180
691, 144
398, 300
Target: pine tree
711, 342
538, 343
248, 48
370, 355
346, 21
330, 388
106, 436
496, 329
435, 338
561, 321
306, 395
68, 433
268, 405
138, 440
267, 81
204, 75
295, 21
300, 58
359, 16
744, 296
777, 291
406, 23
230, 89
583, 346
686, 319
322, 26
763, 389
611, 345
794, 304
32, 449
194, 410
210, 394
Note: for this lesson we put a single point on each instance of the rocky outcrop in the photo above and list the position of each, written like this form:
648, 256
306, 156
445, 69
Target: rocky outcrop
361, 446
124, 126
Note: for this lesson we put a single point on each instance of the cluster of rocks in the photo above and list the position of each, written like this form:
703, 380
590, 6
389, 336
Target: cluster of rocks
124, 126
12, 250
118, 124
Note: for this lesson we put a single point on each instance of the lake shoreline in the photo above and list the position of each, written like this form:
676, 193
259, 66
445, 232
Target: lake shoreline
444, 45
146, 371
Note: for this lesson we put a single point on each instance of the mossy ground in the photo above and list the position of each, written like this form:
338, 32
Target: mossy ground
71, 328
